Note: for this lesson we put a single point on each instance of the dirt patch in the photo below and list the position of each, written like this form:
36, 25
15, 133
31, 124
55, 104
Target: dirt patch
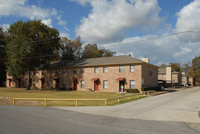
6, 100
9, 101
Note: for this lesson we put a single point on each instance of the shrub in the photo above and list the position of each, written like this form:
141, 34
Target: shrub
132, 90
151, 88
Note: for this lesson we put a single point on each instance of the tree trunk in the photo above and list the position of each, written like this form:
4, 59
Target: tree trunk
28, 85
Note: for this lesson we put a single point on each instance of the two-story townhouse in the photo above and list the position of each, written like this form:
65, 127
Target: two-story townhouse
169, 78
106, 74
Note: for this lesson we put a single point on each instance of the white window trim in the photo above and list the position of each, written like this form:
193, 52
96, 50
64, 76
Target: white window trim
96, 70
132, 69
105, 85
121, 67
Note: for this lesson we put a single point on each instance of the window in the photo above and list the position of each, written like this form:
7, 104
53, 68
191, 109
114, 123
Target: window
121, 68
34, 82
105, 69
63, 83
164, 75
63, 71
132, 68
34, 72
142, 81
48, 71
105, 84
75, 71
132, 84
57, 71
23, 82
96, 70
48, 83
82, 84
150, 73
42, 72
82, 70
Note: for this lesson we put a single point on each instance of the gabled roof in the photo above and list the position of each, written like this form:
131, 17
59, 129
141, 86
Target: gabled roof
114, 60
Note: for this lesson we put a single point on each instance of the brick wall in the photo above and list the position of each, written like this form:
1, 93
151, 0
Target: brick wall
56, 76
150, 76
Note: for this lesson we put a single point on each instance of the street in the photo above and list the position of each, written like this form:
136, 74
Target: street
131, 118
181, 106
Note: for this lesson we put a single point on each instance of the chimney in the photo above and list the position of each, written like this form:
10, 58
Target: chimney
145, 60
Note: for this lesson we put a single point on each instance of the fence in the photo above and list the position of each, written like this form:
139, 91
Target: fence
119, 99
47, 99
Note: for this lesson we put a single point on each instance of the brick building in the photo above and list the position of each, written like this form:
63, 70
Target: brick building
105, 74
169, 78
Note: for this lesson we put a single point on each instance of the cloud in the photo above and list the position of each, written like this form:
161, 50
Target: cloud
183, 51
64, 35
5, 27
47, 22
160, 49
20, 8
188, 20
112, 20
60, 21
169, 46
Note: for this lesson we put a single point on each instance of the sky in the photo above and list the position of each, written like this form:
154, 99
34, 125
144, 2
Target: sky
165, 31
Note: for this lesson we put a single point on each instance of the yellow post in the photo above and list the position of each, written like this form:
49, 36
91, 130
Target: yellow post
137, 96
118, 99
45, 102
105, 102
129, 97
13, 101
76, 102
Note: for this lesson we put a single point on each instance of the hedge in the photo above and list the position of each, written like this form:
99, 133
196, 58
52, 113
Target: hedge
132, 90
151, 88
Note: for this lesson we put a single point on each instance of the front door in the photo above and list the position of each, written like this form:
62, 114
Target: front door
10, 82
96, 85
43, 83
19, 82
57, 83
121, 86
75, 84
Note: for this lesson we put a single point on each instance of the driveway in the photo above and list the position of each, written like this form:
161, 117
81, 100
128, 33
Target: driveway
180, 106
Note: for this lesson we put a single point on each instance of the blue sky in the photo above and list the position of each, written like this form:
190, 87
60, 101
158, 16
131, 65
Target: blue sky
124, 26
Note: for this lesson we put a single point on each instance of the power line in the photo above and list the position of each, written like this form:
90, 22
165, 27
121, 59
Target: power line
164, 36
114, 44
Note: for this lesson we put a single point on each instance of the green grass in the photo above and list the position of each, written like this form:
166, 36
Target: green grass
22, 93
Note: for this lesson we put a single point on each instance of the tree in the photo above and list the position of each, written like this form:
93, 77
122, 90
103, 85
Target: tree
195, 69
71, 49
31, 45
176, 67
2, 56
92, 51
163, 65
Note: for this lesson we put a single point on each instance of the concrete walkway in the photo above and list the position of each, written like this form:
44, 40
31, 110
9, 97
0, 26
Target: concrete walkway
181, 106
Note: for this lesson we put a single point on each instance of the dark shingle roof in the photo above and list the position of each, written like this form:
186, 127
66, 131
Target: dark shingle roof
162, 70
114, 60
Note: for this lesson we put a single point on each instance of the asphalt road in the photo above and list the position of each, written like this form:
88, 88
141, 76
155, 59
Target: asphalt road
172, 113
180, 106
46, 120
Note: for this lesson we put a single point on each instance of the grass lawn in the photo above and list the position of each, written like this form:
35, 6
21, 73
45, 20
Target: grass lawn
7, 94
